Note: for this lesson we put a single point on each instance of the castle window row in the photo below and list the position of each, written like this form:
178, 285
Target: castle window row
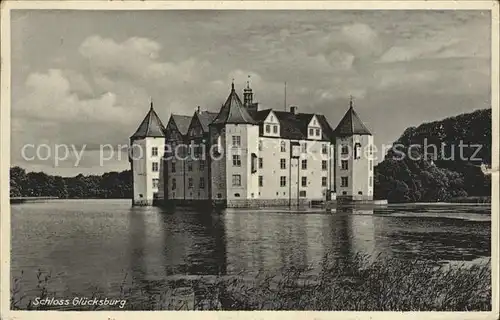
201, 184
268, 128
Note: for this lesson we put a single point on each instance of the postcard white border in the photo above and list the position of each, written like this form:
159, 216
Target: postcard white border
6, 6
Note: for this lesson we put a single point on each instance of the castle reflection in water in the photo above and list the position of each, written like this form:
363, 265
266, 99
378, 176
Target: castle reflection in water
247, 241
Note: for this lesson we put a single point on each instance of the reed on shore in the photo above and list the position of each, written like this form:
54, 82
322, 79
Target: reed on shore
358, 283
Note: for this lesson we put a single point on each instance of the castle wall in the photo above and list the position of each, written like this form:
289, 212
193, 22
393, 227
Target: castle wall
143, 175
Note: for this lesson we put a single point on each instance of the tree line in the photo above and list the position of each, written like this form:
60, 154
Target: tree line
450, 171
110, 185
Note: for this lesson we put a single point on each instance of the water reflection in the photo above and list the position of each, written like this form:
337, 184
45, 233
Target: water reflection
194, 243
99, 243
137, 246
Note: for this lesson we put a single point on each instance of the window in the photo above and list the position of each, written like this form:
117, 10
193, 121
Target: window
260, 163
318, 132
282, 181
236, 180
155, 183
198, 151
357, 151
190, 183
261, 181
272, 118
275, 129
304, 147
236, 160
304, 181
173, 166
283, 146
304, 164
154, 151
371, 165
324, 148
323, 181
311, 132
371, 149
345, 150
370, 181
314, 122
302, 193
155, 167
174, 184
254, 162
236, 195
268, 128
202, 183
344, 164
190, 166
360, 193
283, 163
344, 181
236, 141
324, 165
344, 192
260, 145
202, 165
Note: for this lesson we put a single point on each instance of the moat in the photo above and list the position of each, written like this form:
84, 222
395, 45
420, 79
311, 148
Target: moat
93, 243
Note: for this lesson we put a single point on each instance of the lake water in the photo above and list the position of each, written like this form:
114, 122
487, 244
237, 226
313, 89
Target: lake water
95, 243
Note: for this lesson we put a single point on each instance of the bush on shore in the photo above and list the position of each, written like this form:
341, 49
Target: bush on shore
359, 283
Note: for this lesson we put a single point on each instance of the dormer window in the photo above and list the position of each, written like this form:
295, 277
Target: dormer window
268, 128
318, 132
275, 129
311, 132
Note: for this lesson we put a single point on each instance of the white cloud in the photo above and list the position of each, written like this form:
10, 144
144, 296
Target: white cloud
49, 96
362, 39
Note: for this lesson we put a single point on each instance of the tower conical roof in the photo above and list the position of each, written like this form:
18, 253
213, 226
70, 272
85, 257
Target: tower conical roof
351, 124
151, 126
233, 111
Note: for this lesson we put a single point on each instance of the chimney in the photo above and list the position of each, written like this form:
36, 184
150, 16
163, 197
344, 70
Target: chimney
198, 110
294, 109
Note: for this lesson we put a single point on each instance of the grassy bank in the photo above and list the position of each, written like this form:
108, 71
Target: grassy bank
471, 200
358, 283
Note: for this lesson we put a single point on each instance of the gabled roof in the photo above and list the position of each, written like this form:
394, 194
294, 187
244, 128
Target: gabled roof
327, 130
233, 111
206, 118
261, 115
289, 125
351, 124
182, 122
294, 126
151, 126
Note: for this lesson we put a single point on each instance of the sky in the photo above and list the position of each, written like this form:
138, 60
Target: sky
84, 79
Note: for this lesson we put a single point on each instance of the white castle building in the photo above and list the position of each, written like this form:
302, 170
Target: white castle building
246, 157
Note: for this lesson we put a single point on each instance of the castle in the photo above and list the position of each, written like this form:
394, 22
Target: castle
246, 157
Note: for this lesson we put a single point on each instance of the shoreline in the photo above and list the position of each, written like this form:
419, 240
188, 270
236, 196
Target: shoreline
20, 200
347, 284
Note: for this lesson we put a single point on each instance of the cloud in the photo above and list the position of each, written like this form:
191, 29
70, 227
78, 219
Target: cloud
135, 56
416, 50
95, 88
50, 96
362, 39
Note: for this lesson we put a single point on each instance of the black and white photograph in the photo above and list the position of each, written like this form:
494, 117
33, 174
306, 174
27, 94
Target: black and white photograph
223, 157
